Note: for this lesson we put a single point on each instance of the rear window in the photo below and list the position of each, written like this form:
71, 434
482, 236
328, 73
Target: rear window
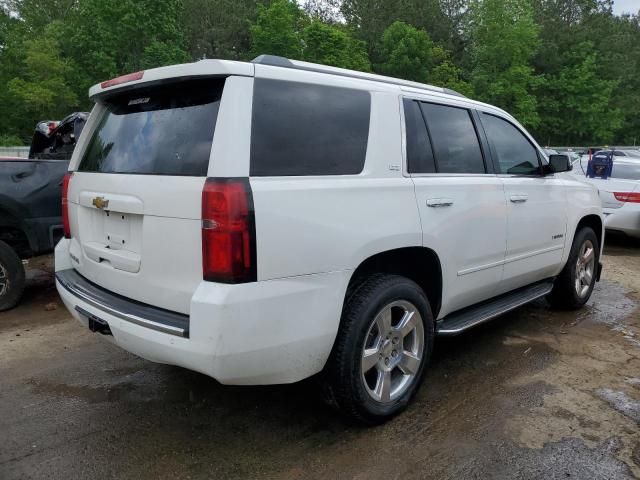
419, 151
454, 139
159, 130
306, 129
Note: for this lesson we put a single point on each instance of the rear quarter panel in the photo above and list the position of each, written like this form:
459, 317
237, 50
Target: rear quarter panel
308, 225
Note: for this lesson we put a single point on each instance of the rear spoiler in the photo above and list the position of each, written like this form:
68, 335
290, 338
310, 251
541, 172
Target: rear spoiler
203, 68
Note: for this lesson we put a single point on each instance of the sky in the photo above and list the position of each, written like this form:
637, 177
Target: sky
626, 6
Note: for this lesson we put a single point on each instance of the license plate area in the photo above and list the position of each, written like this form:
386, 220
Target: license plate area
96, 324
117, 230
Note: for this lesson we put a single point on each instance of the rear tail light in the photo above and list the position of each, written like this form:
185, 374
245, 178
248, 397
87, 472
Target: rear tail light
228, 231
633, 197
130, 77
65, 205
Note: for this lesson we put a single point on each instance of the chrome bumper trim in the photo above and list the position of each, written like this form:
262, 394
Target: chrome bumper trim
126, 309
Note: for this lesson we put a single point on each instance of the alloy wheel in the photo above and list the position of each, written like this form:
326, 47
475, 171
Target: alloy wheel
393, 351
585, 267
4, 280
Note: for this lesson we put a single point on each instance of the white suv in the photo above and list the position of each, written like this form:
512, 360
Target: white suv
264, 222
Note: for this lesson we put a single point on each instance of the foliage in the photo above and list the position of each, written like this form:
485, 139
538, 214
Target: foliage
218, 28
111, 37
568, 69
505, 39
282, 28
10, 141
578, 101
446, 74
407, 52
277, 30
331, 45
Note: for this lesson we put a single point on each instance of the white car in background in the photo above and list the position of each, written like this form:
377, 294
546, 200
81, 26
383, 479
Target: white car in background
620, 194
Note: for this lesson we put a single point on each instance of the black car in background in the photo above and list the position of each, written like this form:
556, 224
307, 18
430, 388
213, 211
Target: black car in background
30, 201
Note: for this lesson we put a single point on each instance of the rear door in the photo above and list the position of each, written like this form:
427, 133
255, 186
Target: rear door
135, 197
461, 202
536, 205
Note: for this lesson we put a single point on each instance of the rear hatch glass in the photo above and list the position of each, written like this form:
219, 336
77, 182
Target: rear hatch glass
136, 198
159, 130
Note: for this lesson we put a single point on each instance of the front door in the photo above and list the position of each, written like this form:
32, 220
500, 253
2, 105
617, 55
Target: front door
536, 205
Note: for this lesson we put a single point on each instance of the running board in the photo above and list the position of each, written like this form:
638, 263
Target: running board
457, 322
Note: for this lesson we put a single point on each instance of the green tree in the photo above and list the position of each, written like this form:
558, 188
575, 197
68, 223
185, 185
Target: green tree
277, 30
369, 19
327, 11
331, 45
504, 41
41, 87
111, 37
218, 28
577, 107
407, 52
446, 74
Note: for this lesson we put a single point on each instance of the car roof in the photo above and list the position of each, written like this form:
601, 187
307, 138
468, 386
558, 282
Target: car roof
217, 67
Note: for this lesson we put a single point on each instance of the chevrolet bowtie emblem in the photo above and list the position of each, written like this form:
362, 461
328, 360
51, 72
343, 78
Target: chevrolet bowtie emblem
100, 202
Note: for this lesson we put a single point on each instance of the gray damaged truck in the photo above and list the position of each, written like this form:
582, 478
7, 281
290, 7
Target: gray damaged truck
31, 220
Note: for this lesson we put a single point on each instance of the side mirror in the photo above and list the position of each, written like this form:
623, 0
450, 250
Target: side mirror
560, 163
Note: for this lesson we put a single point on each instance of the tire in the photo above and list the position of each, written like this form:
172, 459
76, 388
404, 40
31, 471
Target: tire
578, 273
358, 386
11, 277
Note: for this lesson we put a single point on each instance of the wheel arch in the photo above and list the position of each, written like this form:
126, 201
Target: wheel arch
595, 223
14, 233
420, 264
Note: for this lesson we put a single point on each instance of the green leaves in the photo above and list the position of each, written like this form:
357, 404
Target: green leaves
277, 30
569, 70
284, 29
332, 45
407, 52
581, 108
504, 41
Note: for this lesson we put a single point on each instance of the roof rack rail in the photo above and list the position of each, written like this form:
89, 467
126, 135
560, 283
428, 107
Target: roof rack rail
277, 61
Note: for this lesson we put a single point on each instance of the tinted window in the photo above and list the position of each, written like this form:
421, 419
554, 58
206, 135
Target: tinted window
454, 139
515, 154
304, 129
419, 152
618, 153
162, 130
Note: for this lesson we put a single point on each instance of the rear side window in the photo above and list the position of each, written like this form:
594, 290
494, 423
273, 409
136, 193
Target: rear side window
455, 142
419, 151
305, 129
159, 130
515, 154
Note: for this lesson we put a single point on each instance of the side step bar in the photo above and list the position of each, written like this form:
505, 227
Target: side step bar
457, 322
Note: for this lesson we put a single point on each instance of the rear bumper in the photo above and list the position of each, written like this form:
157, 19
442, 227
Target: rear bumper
123, 308
626, 220
277, 331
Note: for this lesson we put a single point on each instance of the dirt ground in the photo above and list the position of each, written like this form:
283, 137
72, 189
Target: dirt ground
535, 394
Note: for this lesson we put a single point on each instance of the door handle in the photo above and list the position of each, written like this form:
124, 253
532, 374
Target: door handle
519, 198
439, 202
